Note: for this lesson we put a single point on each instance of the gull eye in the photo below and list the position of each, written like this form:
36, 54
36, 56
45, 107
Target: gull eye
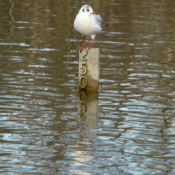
88, 10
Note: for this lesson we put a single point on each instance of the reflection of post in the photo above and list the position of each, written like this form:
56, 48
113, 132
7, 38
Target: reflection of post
87, 113
89, 69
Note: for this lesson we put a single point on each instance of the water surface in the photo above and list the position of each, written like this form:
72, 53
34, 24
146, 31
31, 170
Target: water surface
48, 127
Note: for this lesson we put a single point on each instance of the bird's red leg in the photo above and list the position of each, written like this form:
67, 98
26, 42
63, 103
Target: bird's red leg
92, 44
84, 44
84, 41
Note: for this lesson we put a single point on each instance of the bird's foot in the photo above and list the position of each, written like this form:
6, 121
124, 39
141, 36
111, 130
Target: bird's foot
91, 47
81, 48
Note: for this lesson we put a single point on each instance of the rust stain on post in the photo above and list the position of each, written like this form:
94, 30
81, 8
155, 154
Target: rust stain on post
89, 69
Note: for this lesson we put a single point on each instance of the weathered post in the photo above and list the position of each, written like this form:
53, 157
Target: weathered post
89, 69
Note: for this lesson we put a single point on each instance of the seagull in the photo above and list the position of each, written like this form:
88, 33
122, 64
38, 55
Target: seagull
88, 23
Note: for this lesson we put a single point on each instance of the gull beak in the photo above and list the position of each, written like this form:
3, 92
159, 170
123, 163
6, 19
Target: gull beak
94, 13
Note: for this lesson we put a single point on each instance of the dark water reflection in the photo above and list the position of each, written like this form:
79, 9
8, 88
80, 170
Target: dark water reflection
47, 127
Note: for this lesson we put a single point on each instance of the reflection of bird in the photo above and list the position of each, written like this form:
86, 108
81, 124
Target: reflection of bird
87, 23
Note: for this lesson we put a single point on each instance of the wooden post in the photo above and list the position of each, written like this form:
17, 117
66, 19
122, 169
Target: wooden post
89, 69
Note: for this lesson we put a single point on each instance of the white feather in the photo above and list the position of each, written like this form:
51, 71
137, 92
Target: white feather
87, 22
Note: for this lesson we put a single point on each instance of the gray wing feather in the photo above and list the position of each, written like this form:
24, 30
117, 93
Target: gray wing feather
98, 19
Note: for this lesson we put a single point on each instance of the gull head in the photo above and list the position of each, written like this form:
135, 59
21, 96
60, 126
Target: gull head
86, 9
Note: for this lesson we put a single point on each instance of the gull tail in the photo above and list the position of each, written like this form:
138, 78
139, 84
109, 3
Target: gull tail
104, 25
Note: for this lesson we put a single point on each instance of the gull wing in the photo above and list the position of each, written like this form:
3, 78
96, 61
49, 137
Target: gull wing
98, 19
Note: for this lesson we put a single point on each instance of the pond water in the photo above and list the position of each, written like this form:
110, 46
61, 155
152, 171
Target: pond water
48, 127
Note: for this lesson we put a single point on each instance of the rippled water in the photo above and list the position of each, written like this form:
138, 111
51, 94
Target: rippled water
48, 127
